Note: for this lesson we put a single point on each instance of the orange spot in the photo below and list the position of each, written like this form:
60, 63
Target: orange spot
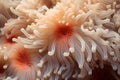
63, 31
7, 42
21, 59
10, 40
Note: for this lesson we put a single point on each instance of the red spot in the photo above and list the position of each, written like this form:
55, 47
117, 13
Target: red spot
63, 31
22, 59
8, 42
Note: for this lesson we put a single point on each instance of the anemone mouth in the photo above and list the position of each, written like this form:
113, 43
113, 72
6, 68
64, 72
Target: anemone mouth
22, 59
63, 31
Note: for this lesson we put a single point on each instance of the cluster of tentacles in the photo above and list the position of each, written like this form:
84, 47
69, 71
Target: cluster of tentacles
59, 39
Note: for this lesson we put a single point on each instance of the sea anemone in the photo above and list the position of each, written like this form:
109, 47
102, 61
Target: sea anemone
5, 12
21, 63
73, 38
